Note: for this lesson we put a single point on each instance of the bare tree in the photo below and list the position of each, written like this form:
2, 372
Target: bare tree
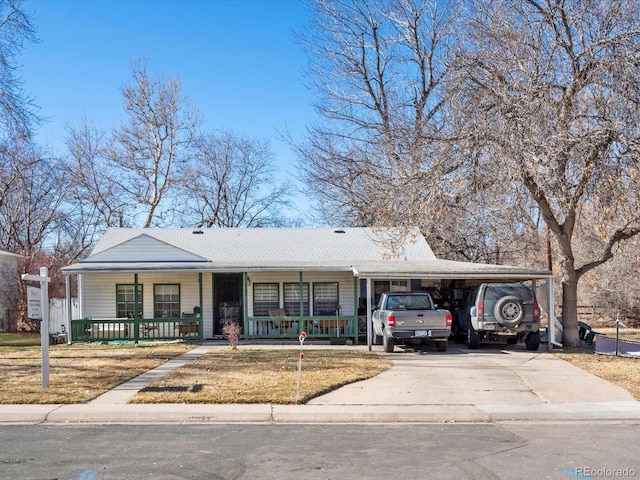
96, 189
30, 212
231, 183
385, 153
146, 153
548, 100
378, 69
35, 216
16, 107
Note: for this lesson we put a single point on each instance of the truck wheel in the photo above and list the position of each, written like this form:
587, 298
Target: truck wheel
473, 339
441, 346
533, 341
388, 344
509, 311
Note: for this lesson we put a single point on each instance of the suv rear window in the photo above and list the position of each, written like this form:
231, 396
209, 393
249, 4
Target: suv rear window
497, 291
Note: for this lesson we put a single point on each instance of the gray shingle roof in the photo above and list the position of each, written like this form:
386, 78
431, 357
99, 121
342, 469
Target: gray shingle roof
365, 251
251, 246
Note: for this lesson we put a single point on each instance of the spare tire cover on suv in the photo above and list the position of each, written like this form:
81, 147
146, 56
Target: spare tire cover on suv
509, 311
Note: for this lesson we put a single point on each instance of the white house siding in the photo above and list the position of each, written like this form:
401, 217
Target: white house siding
344, 279
99, 292
98, 299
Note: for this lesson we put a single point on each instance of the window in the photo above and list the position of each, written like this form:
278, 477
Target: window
381, 286
125, 299
292, 298
166, 301
265, 298
325, 298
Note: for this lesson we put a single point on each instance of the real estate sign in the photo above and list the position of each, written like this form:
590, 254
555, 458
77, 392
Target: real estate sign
34, 303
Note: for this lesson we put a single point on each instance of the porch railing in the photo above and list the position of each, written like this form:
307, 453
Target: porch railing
130, 329
314, 327
112, 329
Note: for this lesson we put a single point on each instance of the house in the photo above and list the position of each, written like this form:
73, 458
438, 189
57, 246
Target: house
8, 286
273, 282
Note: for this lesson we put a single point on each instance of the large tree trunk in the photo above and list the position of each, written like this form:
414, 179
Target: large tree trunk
570, 277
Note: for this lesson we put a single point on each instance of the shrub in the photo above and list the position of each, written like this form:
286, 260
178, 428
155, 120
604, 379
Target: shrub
232, 331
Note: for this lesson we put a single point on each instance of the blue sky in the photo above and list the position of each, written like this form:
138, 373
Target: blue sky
238, 61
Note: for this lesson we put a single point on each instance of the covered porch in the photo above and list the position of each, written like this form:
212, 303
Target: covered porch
323, 304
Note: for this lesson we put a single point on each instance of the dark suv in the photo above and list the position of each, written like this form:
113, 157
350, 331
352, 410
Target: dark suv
499, 311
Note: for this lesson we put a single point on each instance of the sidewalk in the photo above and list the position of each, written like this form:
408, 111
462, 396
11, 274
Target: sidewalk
491, 385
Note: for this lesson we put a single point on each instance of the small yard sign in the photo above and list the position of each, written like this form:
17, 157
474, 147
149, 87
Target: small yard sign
34, 303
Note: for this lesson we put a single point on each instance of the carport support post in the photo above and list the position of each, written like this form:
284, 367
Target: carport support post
551, 328
369, 312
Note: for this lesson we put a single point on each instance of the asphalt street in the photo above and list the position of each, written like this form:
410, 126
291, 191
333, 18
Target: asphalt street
511, 450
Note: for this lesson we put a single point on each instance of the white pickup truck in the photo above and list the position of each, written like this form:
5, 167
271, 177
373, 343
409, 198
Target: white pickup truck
410, 317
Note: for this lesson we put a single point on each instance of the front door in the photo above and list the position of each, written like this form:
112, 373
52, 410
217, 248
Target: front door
227, 301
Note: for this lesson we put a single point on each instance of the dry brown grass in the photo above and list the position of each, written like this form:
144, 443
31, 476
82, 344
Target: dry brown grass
77, 373
622, 371
262, 376
81, 372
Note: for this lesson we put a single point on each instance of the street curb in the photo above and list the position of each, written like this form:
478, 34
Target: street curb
312, 414
565, 411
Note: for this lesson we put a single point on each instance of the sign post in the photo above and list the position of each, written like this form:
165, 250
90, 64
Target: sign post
302, 337
43, 313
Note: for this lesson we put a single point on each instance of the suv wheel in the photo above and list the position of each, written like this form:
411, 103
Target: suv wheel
533, 341
473, 339
509, 311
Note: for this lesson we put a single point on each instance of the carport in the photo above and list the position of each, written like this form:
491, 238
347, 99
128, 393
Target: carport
448, 270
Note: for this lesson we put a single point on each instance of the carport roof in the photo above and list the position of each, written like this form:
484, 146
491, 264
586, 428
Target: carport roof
446, 269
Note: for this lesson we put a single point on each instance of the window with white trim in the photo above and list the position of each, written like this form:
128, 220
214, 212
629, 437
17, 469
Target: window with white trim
292, 299
325, 298
265, 298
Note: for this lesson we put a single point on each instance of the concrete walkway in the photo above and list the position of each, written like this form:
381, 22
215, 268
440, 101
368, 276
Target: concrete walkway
488, 385
123, 392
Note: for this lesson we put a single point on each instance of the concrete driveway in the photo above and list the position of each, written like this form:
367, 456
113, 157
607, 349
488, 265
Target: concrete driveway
506, 382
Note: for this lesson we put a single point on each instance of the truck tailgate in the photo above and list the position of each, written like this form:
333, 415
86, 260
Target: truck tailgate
419, 320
